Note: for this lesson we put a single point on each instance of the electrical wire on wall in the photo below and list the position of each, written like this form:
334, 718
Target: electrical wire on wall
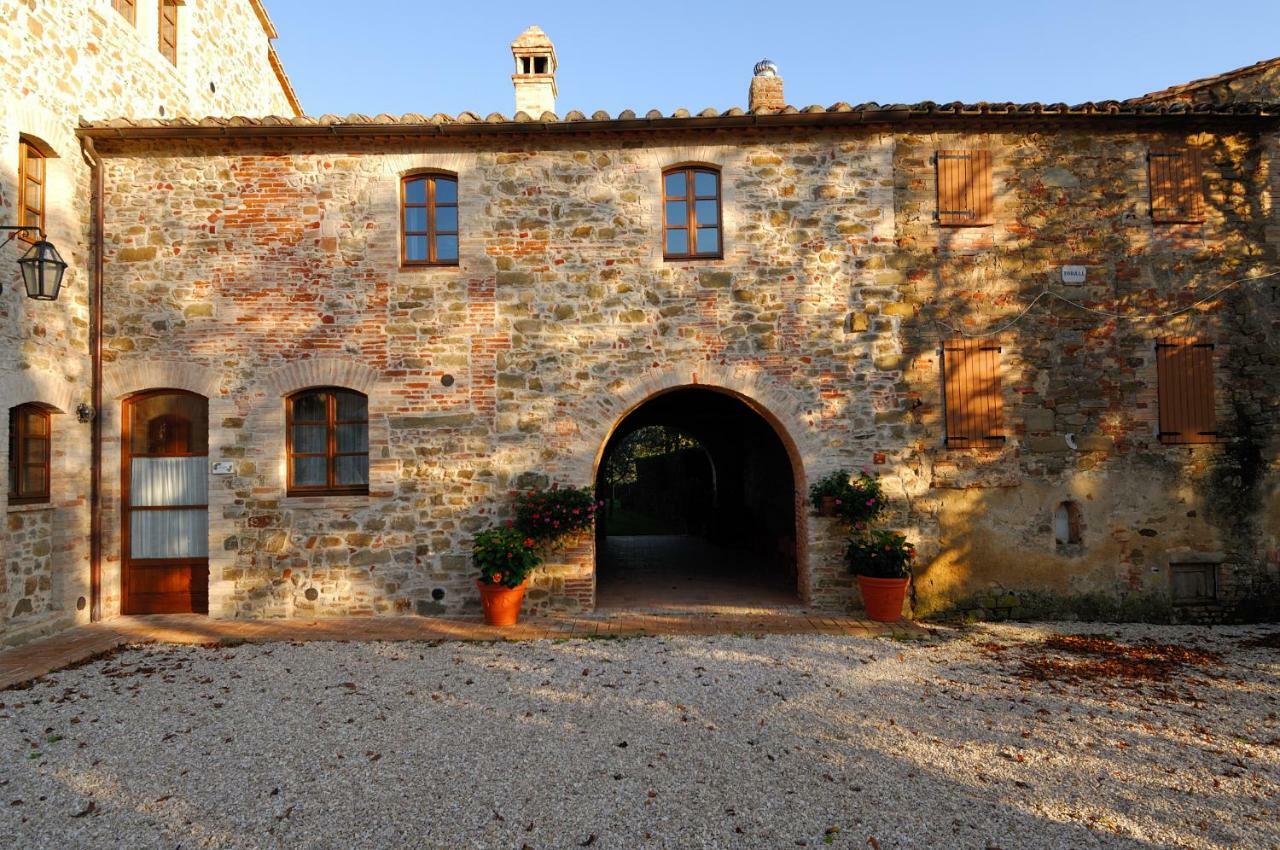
1123, 317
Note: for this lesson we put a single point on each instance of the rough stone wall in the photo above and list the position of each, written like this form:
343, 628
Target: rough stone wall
823, 313
63, 60
1261, 86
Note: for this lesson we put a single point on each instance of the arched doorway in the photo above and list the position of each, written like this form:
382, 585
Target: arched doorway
700, 506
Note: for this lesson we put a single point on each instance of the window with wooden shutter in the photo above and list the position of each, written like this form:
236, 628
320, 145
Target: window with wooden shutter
127, 8
28, 454
1184, 371
964, 188
972, 401
1177, 196
32, 164
169, 30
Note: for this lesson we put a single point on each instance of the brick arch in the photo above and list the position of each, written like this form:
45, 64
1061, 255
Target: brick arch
37, 385
30, 118
320, 372
127, 377
750, 385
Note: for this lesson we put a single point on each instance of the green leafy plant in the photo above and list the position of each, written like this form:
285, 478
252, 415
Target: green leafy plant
880, 554
547, 515
504, 556
858, 501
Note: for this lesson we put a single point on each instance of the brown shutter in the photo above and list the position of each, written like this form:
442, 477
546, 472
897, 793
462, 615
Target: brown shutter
1177, 195
973, 401
1184, 371
964, 188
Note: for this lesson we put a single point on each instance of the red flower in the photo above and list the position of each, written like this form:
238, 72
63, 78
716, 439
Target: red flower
528, 542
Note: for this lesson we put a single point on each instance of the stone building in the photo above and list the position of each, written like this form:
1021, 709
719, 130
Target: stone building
65, 61
331, 346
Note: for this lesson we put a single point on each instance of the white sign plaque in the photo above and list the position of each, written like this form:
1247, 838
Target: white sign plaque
1074, 275
223, 467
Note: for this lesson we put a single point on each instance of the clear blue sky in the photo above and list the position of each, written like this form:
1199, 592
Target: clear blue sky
422, 56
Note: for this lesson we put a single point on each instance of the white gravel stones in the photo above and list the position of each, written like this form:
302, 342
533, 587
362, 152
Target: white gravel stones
694, 742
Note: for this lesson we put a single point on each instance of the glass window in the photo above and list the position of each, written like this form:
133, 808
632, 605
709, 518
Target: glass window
29, 450
328, 442
691, 213
429, 220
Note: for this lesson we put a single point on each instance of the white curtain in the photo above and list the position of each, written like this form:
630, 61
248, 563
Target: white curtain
169, 534
161, 481
169, 481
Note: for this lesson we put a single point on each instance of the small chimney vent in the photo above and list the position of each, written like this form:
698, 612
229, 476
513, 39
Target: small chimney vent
766, 88
535, 76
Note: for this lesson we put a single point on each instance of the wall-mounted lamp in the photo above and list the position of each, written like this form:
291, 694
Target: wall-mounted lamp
84, 412
42, 266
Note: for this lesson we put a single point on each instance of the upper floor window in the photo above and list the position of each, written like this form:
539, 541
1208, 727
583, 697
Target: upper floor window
1186, 403
429, 220
328, 442
1177, 194
28, 454
964, 188
31, 186
691, 213
127, 8
972, 399
169, 30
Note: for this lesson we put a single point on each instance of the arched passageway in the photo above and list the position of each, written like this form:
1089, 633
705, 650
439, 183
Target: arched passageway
700, 507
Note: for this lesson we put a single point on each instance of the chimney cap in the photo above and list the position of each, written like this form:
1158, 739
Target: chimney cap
533, 37
766, 68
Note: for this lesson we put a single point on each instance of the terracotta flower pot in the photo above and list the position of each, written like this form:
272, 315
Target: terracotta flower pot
883, 597
827, 506
501, 604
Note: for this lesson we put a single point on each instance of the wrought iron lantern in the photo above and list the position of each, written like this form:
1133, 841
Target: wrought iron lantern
42, 266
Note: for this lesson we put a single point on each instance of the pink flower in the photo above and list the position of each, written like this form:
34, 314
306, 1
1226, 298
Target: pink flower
870, 502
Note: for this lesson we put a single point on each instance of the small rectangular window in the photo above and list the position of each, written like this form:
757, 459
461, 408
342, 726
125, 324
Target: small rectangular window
429, 220
1185, 392
169, 30
1177, 195
32, 168
29, 452
1194, 584
964, 188
972, 399
128, 9
328, 442
691, 223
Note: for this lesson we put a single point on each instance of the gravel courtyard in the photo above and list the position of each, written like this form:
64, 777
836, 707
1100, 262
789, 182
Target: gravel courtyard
994, 737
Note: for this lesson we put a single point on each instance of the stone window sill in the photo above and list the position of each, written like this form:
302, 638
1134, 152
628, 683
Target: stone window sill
30, 508
327, 503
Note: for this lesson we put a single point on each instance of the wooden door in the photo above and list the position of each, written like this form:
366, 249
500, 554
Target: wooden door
164, 538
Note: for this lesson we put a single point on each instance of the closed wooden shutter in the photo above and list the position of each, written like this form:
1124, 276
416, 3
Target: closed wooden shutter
128, 8
964, 188
973, 402
1184, 370
1177, 195
169, 30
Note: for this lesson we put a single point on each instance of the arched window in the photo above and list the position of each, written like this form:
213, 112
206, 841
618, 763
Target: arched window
29, 451
328, 441
429, 220
32, 182
691, 226
1067, 524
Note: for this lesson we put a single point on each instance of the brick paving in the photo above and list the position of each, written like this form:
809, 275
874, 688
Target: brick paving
20, 665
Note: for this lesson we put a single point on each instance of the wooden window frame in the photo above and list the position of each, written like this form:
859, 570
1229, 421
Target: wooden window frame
958, 405
431, 205
1175, 182
128, 10
1180, 392
168, 50
19, 459
29, 152
976, 186
331, 453
691, 225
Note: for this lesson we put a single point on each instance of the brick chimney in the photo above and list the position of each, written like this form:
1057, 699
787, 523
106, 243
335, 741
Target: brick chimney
535, 76
766, 88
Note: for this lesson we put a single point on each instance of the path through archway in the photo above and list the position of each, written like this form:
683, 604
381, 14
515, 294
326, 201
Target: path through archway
700, 507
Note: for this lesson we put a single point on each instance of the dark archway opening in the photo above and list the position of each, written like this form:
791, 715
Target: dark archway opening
700, 507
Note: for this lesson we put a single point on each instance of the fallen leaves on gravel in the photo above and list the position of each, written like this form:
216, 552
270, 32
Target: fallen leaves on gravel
1093, 658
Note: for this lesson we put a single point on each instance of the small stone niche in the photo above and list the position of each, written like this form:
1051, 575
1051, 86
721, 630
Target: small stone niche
1194, 583
1068, 526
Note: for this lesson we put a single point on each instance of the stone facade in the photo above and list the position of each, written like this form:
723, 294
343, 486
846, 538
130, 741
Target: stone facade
64, 61
268, 257
246, 260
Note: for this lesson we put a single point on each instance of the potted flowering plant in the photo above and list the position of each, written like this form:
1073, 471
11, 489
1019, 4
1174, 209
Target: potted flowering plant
882, 561
505, 557
552, 515
856, 501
